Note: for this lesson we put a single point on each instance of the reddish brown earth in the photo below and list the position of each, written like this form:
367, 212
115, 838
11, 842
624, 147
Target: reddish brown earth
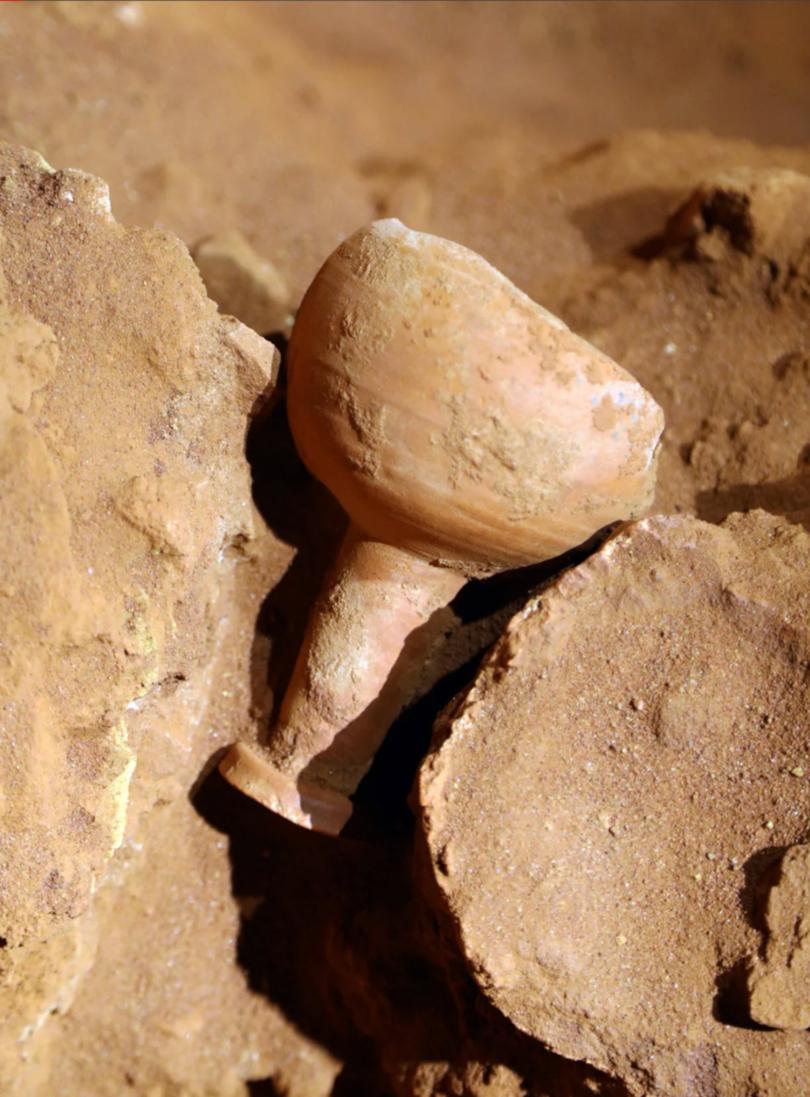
641, 169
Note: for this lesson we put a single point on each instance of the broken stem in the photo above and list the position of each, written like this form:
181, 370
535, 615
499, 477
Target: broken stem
367, 639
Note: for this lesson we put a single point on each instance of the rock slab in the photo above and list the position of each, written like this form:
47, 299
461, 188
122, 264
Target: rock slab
599, 807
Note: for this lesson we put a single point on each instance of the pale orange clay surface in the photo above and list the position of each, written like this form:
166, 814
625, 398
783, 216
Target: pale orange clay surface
465, 430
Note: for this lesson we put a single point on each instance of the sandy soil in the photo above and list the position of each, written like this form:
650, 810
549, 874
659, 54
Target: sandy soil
641, 169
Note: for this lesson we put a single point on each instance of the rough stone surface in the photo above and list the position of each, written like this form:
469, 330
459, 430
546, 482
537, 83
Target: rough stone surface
168, 947
590, 209
500, 126
602, 803
127, 509
240, 135
244, 284
725, 285
779, 984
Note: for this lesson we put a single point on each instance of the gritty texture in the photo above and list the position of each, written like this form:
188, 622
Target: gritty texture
154, 941
779, 982
123, 529
639, 733
725, 285
557, 140
242, 283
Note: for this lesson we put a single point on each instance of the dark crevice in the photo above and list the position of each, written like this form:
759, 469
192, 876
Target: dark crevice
381, 808
730, 1006
280, 341
731, 1001
789, 497
351, 1083
265, 1087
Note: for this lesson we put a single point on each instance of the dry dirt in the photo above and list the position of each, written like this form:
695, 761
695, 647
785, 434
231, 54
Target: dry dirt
640, 169
613, 911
